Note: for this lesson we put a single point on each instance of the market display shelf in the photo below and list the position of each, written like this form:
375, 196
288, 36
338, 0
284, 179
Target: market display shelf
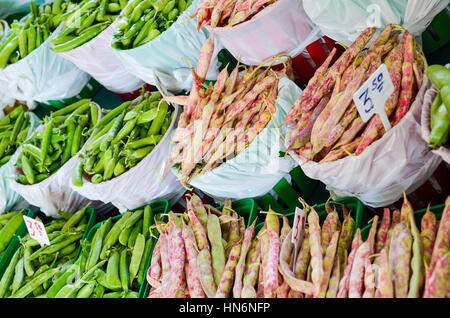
353, 205
312, 191
15, 243
437, 210
245, 207
158, 207
12, 245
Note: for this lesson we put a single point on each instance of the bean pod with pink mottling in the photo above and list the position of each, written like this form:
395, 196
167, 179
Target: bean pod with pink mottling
356, 281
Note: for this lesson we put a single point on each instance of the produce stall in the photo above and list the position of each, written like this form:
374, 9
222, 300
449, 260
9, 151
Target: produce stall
166, 149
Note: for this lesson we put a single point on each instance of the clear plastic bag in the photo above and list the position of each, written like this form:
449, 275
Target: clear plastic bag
141, 184
344, 20
41, 76
398, 162
8, 197
54, 193
281, 28
97, 58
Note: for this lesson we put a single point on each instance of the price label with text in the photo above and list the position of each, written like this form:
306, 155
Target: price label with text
371, 97
36, 229
298, 230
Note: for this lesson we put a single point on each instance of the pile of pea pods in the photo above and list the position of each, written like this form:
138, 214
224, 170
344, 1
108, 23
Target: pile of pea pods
33, 268
123, 137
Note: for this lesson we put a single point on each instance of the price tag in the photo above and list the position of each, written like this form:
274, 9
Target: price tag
36, 229
298, 231
371, 97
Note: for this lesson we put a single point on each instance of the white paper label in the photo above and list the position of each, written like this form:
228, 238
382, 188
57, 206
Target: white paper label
371, 97
36, 229
298, 231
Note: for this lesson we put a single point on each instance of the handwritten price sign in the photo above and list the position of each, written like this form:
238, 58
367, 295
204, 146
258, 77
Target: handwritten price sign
371, 97
36, 229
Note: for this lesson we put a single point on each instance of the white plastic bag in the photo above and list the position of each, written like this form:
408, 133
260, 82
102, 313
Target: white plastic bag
281, 28
161, 60
41, 76
8, 197
97, 58
398, 162
429, 97
54, 192
141, 184
344, 20
258, 168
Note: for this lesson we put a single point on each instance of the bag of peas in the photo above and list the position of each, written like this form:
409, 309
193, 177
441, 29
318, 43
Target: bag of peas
86, 42
153, 39
29, 70
42, 170
9, 198
125, 160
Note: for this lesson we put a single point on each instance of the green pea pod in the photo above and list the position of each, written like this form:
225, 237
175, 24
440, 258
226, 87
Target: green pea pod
173, 14
434, 107
111, 134
112, 270
137, 229
157, 123
81, 39
112, 114
86, 290
110, 163
76, 143
113, 7
86, 23
74, 220
77, 175
147, 221
145, 257
19, 275
28, 169
119, 168
39, 36
140, 153
56, 7
99, 291
7, 51
439, 135
71, 108
128, 37
143, 32
147, 141
62, 281
439, 75
139, 10
182, 5
445, 95
124, 235
5, 160
8, 275
136, 256
168, 7
159, 5
151, 35
97, 178
46, 140
3, 145
94, 114
31, 39
124, 131
124, 270
23, 40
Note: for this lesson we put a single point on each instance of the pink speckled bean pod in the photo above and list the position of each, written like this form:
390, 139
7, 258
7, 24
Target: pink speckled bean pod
437, 284
401, 268
316, 250
193, 281
199, 231
227, 279
356, 281
328, 263
428, 226
155, 270
345, 280
385, 287
205, 273
177, 264
333, 285
271, 270
382, 231
442, 242
240, 267
369, 280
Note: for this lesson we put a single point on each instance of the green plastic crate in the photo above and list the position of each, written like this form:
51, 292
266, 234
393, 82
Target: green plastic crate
158, 207
88, 91
436, 36
310, 190
245, 207
12, 245
354, 207
15, 242
437, 210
